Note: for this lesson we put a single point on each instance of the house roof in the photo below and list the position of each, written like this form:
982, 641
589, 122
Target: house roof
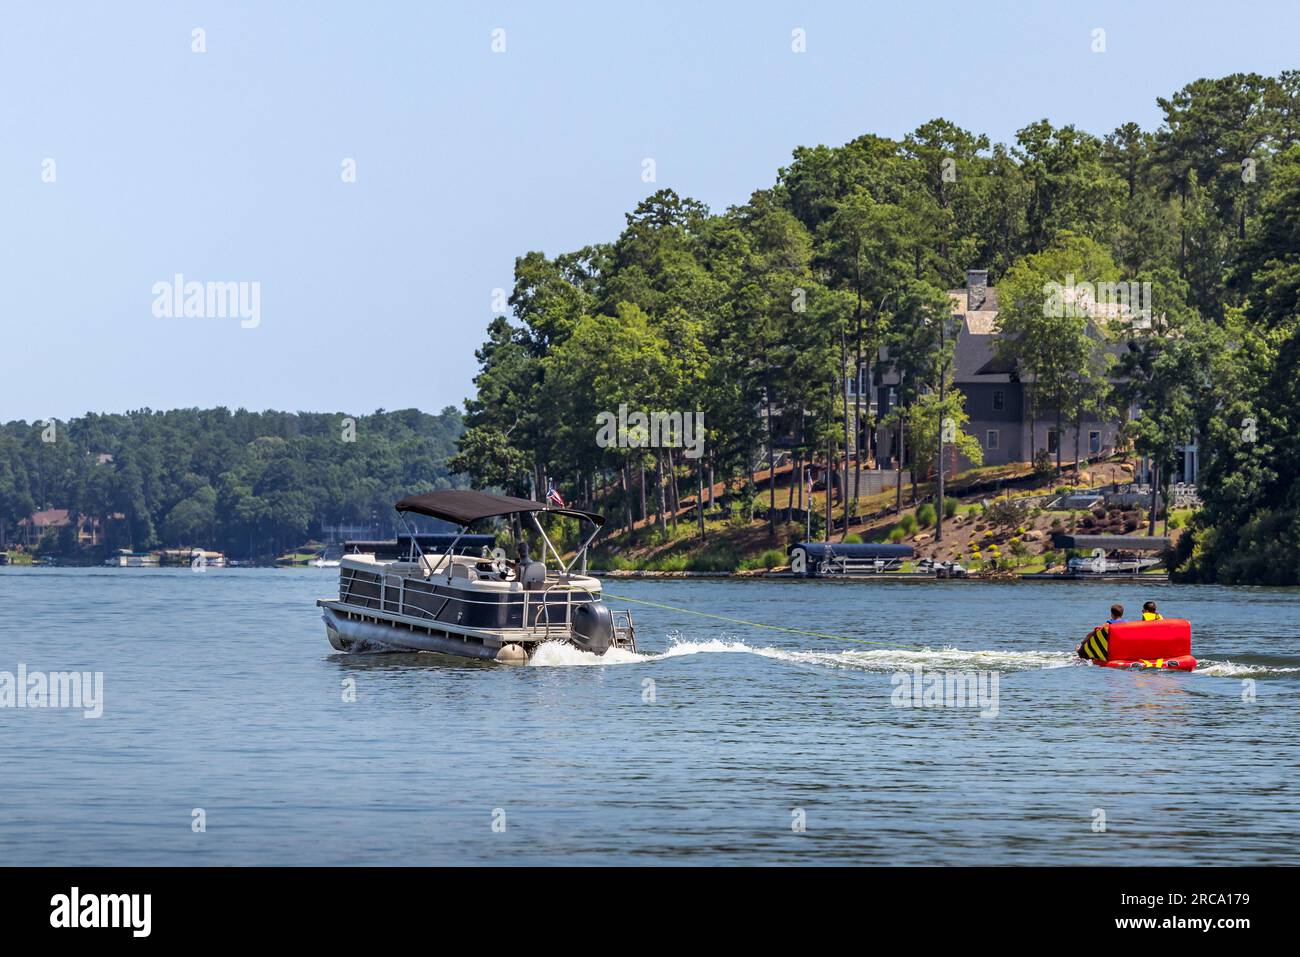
49, 518
975, 358
975, 355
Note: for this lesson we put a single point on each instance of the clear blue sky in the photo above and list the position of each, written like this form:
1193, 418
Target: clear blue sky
225, 166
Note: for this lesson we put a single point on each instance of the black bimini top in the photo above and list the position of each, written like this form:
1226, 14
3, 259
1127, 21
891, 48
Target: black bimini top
466, 506
1112, 543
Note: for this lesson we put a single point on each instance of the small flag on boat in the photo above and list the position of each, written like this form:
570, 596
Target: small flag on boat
554, 497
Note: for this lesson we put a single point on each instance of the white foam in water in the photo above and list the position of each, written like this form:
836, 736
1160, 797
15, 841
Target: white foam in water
557, 654
890, 660
560, 655
1230, 669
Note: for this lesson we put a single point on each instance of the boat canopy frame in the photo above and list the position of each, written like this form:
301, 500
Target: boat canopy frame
464, 507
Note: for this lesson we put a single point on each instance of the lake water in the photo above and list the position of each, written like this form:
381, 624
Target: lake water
746, 745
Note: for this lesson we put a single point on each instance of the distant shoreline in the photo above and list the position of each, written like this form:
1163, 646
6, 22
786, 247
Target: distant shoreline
632, 575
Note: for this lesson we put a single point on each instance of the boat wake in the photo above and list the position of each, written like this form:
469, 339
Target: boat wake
1232, 669
885, 660
557, 654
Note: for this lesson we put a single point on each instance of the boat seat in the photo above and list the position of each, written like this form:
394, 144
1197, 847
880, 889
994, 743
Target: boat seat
533, 576
464, 571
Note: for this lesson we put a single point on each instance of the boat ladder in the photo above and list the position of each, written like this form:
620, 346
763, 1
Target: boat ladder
624, 632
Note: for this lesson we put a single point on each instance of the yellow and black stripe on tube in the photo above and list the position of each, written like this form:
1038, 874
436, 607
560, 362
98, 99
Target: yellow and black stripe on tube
1097, 644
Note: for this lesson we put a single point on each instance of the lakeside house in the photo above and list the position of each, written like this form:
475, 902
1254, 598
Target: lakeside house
52, 521
998, 399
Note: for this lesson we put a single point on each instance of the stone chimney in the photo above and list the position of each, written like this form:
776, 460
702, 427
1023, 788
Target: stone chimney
977, 289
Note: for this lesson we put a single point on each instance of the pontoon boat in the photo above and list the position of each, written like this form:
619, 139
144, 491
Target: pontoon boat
473, 605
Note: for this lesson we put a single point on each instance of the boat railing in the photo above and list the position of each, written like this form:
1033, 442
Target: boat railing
543, 614
545, 606
844, 565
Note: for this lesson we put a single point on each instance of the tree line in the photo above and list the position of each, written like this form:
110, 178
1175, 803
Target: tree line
757, 316
246, 483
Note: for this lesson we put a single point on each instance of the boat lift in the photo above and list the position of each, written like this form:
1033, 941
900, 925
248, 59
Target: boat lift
1114, 554
838, 559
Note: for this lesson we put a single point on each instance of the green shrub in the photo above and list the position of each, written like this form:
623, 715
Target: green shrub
853, 538
669, 563
1043, 464
925, 515
772, 558
896, 534
907, 523
1007, 513
714, 560
949, 507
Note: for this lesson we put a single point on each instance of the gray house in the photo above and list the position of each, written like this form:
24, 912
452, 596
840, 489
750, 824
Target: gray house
996, 399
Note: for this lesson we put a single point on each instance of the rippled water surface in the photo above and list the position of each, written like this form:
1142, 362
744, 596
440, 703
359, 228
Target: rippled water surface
222, 694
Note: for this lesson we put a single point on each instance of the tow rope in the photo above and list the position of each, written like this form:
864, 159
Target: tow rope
759, 624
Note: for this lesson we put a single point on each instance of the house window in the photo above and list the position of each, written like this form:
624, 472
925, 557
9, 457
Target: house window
991, 439
998, 400
1053, 441
1094, 442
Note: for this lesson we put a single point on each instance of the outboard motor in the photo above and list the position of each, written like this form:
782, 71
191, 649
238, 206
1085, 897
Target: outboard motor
593, 627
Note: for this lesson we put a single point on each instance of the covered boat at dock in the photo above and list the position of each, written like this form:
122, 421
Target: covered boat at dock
818, 559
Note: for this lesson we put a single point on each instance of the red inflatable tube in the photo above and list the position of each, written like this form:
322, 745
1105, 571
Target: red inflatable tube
1164, 644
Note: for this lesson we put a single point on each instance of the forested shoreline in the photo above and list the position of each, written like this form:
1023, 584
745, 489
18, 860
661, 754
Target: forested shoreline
251, 484
755, 317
